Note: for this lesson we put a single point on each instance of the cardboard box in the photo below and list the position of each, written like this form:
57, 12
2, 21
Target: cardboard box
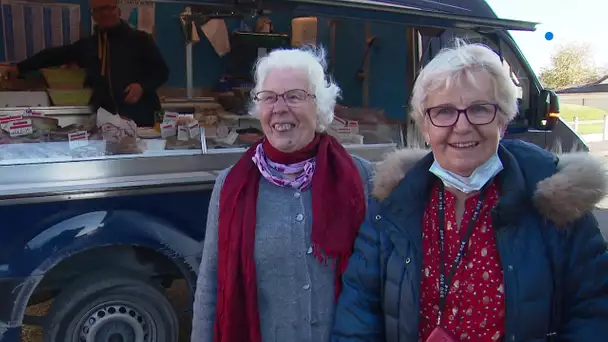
341, 124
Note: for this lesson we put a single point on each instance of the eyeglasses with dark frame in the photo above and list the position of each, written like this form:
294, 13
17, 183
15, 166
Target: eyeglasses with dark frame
477, 114
291, 97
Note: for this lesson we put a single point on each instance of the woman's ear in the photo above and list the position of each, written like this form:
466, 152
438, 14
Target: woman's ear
503, 130
424, 130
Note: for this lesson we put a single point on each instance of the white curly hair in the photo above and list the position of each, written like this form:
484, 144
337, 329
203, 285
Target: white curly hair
312, 61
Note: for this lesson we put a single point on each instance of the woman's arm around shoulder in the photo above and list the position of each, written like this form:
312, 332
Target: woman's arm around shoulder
359, 314
203, 315
585, 290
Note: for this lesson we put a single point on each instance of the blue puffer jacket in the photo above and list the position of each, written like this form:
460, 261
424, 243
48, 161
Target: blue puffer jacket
549, 243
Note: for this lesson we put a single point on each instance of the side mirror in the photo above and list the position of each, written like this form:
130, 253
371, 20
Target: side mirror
548, 112
553, 108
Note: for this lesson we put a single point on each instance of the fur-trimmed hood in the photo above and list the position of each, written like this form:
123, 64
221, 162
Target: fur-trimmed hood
580, 182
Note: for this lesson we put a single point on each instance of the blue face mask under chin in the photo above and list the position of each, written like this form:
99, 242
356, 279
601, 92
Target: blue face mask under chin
482, 175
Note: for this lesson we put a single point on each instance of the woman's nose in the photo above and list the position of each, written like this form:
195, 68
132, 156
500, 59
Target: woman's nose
462, 123
280, 105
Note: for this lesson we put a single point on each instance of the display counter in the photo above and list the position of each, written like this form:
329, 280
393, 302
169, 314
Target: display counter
69, 151
59, 134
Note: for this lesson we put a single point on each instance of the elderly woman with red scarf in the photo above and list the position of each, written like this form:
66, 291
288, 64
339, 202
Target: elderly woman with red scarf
282, 221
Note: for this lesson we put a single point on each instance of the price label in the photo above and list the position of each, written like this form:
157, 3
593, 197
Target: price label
168, 129
78, 139
183, 133
5, 121
170, 116
222, 130
194, 129
231, 138
20, 128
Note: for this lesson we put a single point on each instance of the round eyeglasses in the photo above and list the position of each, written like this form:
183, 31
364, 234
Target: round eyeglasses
477, 114
292, 97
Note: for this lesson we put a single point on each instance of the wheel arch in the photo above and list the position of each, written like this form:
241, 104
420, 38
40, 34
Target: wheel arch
146, 259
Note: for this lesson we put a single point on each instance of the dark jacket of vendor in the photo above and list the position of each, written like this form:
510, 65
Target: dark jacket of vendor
123, 66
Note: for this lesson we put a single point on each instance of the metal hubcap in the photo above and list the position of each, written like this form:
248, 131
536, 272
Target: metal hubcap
116, 322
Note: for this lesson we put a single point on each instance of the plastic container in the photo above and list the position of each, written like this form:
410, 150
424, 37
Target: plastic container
24, 99
61, 78
70, 97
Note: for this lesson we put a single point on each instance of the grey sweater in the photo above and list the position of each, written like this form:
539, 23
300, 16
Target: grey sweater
295, 292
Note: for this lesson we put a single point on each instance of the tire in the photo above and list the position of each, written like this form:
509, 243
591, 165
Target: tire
108, 307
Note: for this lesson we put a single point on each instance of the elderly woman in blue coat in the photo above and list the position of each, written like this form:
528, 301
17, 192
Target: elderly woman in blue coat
480, 239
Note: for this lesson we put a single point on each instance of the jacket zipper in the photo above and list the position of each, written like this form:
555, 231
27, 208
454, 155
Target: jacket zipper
510, 285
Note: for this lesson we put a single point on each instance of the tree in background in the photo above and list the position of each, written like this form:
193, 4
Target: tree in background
571, 64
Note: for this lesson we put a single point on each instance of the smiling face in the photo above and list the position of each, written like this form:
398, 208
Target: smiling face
463, 147
290, 123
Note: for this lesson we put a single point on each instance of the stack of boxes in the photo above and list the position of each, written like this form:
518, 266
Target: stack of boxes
346, 131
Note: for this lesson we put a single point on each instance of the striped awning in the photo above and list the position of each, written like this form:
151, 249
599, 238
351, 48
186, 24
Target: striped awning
32, 26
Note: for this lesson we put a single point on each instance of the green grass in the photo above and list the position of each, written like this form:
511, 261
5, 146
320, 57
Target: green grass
568, 111
590, 129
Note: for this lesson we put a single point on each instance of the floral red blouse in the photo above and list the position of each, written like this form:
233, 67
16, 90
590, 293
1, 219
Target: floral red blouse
475, 309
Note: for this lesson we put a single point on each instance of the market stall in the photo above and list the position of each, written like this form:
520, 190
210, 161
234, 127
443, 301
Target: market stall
55, 124
59, 127
51, 139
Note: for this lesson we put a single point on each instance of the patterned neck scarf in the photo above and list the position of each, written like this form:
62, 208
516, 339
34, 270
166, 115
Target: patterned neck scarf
274, 172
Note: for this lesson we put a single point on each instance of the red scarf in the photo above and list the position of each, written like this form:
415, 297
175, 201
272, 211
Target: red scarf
338, 209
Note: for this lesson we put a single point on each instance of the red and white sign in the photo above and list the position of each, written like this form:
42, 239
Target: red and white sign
339, 124
194, 128
170, 116
183, 133
78, 139
20, 128
6, 120
168, 129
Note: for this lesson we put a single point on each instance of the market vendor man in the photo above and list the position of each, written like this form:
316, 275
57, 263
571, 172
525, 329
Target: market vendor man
123, 65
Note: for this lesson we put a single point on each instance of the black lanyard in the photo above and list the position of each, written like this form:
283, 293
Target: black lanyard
446, 282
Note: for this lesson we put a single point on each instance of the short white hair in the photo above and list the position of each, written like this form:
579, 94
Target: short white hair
310, 60
452, 66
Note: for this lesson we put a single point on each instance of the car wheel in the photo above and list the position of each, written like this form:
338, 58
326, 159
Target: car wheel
111, 307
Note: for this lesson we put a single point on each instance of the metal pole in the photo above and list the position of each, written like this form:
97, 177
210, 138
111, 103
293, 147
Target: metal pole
189, 73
